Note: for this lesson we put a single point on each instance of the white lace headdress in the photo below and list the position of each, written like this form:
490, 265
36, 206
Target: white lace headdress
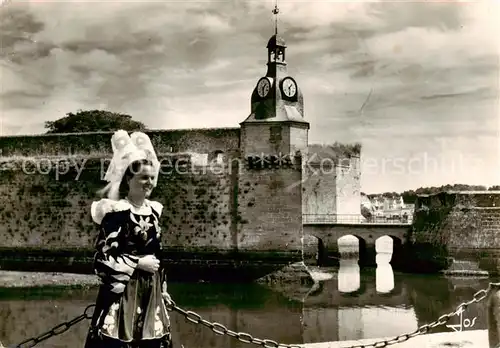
128, 149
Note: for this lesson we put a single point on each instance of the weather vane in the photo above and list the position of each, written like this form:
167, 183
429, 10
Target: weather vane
275, 12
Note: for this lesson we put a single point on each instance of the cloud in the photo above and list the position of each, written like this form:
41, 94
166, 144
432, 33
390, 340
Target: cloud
392, 75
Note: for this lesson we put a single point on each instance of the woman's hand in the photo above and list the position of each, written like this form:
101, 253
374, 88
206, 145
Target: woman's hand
149, 263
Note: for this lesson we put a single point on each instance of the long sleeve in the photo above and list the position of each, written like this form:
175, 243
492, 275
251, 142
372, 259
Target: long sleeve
111, 263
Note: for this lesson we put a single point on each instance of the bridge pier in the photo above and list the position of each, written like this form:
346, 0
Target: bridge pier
367, 255
329, 256
399, 256
322, 254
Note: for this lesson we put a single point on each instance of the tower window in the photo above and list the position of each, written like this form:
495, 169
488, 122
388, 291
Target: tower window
275, 136
220, 158
216, 157
281, 55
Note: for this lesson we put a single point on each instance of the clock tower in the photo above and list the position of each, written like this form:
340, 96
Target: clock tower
276, 122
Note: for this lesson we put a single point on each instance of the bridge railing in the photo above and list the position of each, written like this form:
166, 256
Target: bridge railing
353, 219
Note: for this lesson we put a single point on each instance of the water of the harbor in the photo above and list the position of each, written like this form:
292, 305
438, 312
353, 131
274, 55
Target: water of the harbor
352, 304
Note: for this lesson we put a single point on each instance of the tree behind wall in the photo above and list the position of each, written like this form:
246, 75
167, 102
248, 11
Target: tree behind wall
94, 121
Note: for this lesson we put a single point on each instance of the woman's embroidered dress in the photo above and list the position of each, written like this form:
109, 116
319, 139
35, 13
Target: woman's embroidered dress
129, 305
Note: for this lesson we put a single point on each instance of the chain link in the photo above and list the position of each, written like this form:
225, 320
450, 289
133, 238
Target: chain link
422, 330
247, 338
220, 329
57, 330
244, 337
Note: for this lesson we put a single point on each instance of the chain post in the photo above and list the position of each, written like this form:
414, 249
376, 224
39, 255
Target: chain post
492, 309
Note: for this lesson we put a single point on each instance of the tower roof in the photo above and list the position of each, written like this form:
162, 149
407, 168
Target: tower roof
275, 41
270, 102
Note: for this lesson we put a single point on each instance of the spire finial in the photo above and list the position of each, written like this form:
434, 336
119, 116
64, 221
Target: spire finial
275, 12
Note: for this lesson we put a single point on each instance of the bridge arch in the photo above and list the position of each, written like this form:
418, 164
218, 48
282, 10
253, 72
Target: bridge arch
352, 246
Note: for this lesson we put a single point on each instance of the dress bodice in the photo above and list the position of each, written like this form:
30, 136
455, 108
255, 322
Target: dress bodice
137, 232
142, 233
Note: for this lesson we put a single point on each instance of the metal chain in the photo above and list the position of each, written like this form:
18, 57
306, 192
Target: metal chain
220, 329
244, 337
247, 338
478, 297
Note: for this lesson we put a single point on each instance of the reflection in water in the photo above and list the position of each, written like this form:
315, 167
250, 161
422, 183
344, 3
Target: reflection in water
243, 308
349, 275
327, 314
358, 323
349, 278
384, 322
384, 273
352, 307
350, 323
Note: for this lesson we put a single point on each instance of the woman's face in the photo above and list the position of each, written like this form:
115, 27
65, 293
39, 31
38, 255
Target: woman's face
141, 184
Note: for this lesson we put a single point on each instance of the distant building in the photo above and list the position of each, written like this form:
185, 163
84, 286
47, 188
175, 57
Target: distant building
366, 202
390, 208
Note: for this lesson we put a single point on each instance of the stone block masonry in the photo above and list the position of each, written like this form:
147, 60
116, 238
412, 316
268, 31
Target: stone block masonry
224, 215
463, 225
270, 207
460, 219
198, 209
332, 188
98, 143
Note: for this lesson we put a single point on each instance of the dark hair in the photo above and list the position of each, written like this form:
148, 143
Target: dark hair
132, 169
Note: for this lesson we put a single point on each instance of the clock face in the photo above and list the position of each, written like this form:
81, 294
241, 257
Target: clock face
263, 87
289, 87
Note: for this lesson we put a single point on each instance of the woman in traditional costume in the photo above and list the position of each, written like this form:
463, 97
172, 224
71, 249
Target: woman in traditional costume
131, 306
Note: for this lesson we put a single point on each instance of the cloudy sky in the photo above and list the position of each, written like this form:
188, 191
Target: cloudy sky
416, 83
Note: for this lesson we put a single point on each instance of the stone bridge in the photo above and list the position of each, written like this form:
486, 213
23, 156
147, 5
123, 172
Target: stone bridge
367, 232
